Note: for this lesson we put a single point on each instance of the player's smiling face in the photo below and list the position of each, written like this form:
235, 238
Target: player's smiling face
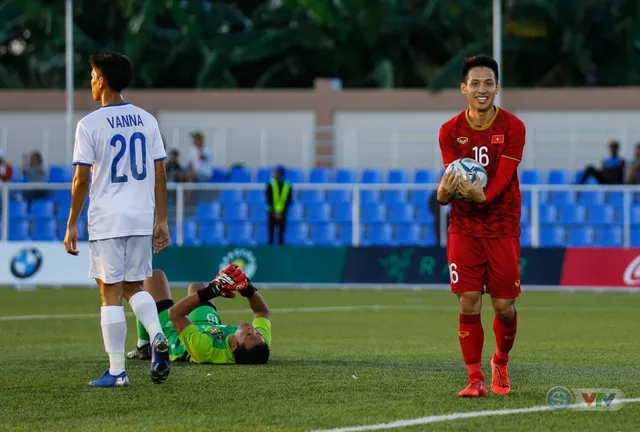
480, 88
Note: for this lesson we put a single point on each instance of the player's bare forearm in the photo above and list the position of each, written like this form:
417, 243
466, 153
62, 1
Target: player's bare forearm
179, 311
259, 306
79, 191
161, 192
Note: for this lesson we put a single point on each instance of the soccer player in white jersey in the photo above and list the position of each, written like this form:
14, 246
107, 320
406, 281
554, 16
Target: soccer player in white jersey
121, 146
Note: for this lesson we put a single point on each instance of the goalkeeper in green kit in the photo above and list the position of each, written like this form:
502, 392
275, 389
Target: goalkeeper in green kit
194, 329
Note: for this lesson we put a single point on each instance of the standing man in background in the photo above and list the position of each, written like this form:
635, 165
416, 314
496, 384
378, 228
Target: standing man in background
200, 160
279, 198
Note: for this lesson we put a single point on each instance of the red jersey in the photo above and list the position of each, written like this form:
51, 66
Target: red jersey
502, 137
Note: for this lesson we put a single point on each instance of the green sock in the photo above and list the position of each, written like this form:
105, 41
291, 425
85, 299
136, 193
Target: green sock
143, 336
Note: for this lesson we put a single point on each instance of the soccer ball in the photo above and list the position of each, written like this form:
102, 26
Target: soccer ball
471, 168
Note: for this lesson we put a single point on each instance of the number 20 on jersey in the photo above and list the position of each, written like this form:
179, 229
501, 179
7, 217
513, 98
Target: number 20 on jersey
120, 142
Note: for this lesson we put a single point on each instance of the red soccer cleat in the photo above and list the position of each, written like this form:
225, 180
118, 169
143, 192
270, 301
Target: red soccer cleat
500, 379
474, 389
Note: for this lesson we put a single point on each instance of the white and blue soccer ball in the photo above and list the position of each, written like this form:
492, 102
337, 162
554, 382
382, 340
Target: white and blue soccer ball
470, 168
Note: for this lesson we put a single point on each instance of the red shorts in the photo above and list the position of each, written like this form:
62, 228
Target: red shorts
490, 265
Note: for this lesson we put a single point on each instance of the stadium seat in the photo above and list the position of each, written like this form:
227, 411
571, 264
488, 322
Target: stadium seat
242, 234
256, 196
336, 196
532, 177
561, 198
240, 175
408, 234
342, 213
41, 209
345, 175
213, 233
264, 175
552, 236
208, 211
45, 230
635, 215
601, 215
319, 175
61, 228
572, 215
318, 212
218, 175
17, 176
62, 197
17, 209
189, 234
609, 237
369, 196
295, 235
398, 176
345, 235
526, 197
258, 212
402, 214
429, 236
425, 216
295, 175
324, 234
425, 176
311, 196
231, 195
373, 213
371, 176
19, 230
616, 199
421, 197
261, 233
378, 235
559, 177
581, 236
395, 196
548, 214
60, 174
525, 237
592, 198
296, 212
236, 212
525, 216
635, 237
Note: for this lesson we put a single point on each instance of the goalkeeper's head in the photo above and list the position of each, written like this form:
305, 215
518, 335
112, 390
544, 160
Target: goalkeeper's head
248, 345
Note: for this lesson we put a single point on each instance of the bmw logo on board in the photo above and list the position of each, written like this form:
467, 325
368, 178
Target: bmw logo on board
26, 262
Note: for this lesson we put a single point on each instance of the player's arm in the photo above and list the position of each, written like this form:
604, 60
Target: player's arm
449, 182
161, 237
79, 191
257, 304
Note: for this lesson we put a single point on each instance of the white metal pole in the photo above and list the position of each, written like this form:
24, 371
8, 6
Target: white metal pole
497, 42
69, 78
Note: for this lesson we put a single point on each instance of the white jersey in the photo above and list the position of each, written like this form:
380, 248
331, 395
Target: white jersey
121, 143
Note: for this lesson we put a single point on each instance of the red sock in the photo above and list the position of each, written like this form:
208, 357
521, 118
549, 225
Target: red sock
471, 337
505, 332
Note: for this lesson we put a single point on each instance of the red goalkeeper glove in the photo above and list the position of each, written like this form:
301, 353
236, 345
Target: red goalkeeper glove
230, 279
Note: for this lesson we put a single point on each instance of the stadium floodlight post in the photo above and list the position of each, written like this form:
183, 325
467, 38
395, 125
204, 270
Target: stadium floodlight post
69, 77
497, 43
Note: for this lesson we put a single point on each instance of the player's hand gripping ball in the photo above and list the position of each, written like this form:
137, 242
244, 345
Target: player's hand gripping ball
470, 169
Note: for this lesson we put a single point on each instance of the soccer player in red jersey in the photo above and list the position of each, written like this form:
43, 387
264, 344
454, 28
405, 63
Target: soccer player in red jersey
483, 247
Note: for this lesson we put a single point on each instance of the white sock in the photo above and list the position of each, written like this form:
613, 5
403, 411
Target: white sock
114, 333
146, 311
141, 343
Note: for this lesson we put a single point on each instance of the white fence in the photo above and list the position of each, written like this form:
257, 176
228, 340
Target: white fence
178, 190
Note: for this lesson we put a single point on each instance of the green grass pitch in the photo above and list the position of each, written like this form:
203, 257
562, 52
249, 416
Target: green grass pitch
329, 369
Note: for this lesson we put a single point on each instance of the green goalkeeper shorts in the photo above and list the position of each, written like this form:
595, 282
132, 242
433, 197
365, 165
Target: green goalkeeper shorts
204, 314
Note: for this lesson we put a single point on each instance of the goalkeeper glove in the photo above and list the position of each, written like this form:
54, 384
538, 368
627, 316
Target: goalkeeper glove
227, 281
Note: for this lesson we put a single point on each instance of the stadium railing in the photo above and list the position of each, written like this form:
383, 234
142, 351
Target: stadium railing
622, 202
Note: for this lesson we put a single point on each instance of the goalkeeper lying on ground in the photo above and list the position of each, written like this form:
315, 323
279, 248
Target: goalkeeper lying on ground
193, 326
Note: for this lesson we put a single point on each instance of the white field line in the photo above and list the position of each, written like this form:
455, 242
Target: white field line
456, 416
354, 308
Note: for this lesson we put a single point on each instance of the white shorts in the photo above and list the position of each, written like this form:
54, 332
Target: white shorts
121, 259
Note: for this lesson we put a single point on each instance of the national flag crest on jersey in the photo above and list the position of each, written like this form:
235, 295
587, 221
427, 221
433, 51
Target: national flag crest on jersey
497, 139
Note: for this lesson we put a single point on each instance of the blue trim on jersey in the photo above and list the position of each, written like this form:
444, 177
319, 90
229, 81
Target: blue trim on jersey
116, 105
160, 159
82, 163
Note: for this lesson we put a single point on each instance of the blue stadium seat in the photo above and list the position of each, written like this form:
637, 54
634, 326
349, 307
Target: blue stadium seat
559, 177
240, 175
401, 213
342, 213
379, 235
345, 175
81, 227
425, 176
242, 234
60, 174
398, 176
408, 234
208, 211
336, 196
581, 236
561, 198
609, 237
296, 212
17, 176
296, 235
41, 209
525, 237
213, 233
635, 237
525, 216
526, 197
258, 212
261, 233
319, 175
421, 197
601, 215
218, 175
264, 175
373, 213
573, 215
425, 216
324, 234
552, 236
236, 212
318, 212
345, 235
17, 209
616, 199
578, 178
62, 197
592, 198
429, 236
369, 196
395, 196
635, 214
189, 234
548, 214
231, 195
19, 230
532, 177
45, 230
295, 175
370, 176
312, 196
256, 196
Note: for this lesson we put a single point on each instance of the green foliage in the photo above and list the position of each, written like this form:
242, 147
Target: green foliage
290, 43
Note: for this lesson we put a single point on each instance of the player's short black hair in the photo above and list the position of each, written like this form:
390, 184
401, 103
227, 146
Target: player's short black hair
116, 69
479, 61
259, 354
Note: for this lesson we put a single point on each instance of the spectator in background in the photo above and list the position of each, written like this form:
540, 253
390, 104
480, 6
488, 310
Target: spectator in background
33, 172
6, 170
279, 199
634, 171
612, 171
200, 164
175, 173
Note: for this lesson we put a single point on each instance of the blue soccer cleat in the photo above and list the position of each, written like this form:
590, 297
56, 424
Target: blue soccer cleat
109, 380
160, 364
